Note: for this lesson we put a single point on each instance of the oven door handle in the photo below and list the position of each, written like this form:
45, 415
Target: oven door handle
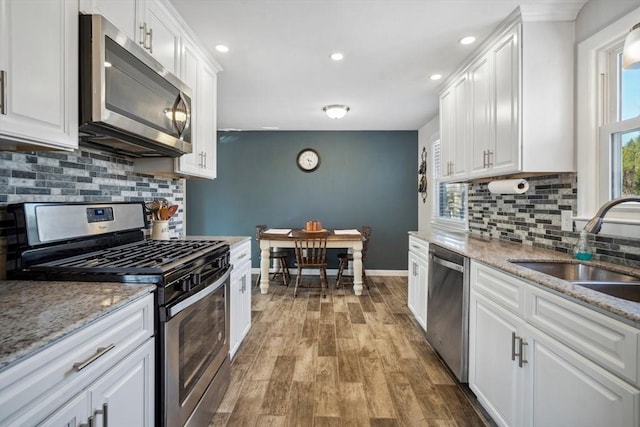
173, 310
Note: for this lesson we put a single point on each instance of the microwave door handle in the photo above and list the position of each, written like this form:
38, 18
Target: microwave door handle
181, 105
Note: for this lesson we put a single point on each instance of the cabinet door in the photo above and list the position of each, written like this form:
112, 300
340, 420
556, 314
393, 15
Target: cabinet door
245, 323
235, 310
458, 156
494, 376
124, 14
208, 121
481, 103
506, 108
125, 394
421, 292
75, 413
191, 163
565, 389
163, 35
417, 288
39, 107
447, 132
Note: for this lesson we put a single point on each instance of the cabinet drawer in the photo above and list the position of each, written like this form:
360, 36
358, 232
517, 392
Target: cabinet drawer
240, 253
506, 290
419, 247
606, 341
45, 381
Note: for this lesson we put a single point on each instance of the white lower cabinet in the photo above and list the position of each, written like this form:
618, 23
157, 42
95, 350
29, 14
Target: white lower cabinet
240, 298
418, 279
123, 396
524, 377
494, 376
102, 374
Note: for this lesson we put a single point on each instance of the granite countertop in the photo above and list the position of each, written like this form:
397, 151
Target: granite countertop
499, 254
232, 240
35, 314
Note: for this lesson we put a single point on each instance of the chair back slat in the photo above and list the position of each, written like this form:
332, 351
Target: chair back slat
310, 248
365, 230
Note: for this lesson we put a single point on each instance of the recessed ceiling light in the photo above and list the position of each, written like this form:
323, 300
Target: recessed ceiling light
435, 76
337, 56
467, 40
222, 48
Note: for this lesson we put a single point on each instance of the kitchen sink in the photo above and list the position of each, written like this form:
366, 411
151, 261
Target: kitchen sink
599, 279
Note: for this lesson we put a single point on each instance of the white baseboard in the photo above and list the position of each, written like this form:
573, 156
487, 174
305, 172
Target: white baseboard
334, 271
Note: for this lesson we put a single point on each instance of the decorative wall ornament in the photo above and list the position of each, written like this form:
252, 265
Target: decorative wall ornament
422, 175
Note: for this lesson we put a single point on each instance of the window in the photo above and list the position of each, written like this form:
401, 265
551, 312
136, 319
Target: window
619, 130
608, 129
450, 200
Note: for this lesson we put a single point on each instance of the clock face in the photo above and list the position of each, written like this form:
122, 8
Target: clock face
308, 160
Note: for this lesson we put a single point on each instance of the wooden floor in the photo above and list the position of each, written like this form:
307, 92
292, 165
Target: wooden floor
341, 360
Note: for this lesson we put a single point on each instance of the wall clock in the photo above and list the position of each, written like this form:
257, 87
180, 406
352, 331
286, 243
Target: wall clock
308, 160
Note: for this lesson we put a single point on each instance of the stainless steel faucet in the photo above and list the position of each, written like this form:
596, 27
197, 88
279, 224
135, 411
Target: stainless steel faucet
595, 223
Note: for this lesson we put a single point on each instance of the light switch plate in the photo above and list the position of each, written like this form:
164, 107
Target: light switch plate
567, 221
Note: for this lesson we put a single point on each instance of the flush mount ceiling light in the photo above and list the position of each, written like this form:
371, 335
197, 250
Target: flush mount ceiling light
336, 111
631, 50
337, 56
467, 40
222, 48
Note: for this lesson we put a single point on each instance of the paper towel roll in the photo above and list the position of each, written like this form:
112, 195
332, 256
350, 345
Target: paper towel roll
509, 186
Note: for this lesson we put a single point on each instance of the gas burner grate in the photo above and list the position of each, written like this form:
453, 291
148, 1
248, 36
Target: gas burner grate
143, 257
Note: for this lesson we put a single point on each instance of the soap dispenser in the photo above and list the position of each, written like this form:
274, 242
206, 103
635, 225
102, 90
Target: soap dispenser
582, 250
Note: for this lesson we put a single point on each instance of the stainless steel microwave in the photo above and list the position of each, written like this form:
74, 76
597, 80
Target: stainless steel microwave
129, 103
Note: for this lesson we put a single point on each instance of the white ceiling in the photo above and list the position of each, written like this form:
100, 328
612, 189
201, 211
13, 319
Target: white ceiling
278, 72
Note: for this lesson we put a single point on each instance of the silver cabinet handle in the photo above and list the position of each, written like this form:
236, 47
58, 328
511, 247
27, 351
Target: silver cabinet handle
150, 33
3, 92
204, 163
101, 351
489, 154
514, 337
143, 35
521, 359
105, 415
242, 256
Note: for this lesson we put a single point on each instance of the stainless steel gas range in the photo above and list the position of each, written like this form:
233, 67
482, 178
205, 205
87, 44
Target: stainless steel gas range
105, 242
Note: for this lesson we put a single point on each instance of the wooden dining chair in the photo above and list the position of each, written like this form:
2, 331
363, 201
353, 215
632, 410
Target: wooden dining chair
345, 257
279, 255
311, 252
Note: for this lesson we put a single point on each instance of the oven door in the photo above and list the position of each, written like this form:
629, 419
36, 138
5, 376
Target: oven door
195, 344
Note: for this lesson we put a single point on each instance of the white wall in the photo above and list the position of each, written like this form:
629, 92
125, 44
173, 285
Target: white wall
597, 14
426, 135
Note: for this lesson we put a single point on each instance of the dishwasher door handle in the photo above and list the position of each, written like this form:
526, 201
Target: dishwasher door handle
448, 264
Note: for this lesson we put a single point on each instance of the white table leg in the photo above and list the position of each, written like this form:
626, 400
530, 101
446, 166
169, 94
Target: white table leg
357, 271
264, 267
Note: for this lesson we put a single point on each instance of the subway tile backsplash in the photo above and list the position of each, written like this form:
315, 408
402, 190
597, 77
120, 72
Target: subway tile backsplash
534, 218
84, 175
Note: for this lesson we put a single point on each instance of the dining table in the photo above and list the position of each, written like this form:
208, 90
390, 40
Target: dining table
338, 238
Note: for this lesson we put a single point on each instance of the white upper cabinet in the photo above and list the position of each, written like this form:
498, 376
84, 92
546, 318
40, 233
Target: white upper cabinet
39, 74
516, 114
455, 130
161, 34
126, 15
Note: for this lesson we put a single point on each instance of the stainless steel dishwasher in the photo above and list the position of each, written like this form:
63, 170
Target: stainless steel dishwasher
448, 308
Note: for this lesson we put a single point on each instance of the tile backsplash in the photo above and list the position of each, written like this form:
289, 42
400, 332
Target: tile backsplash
534, 218
84, 175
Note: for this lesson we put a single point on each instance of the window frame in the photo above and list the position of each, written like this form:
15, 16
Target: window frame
594, 125
459, 225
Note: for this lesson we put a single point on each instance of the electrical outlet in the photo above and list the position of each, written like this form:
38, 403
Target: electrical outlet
567, 221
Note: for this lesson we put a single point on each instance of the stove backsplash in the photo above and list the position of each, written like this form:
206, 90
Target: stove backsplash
534, 218
84, 175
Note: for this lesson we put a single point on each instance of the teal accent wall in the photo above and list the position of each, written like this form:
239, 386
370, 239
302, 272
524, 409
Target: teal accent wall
364, 178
